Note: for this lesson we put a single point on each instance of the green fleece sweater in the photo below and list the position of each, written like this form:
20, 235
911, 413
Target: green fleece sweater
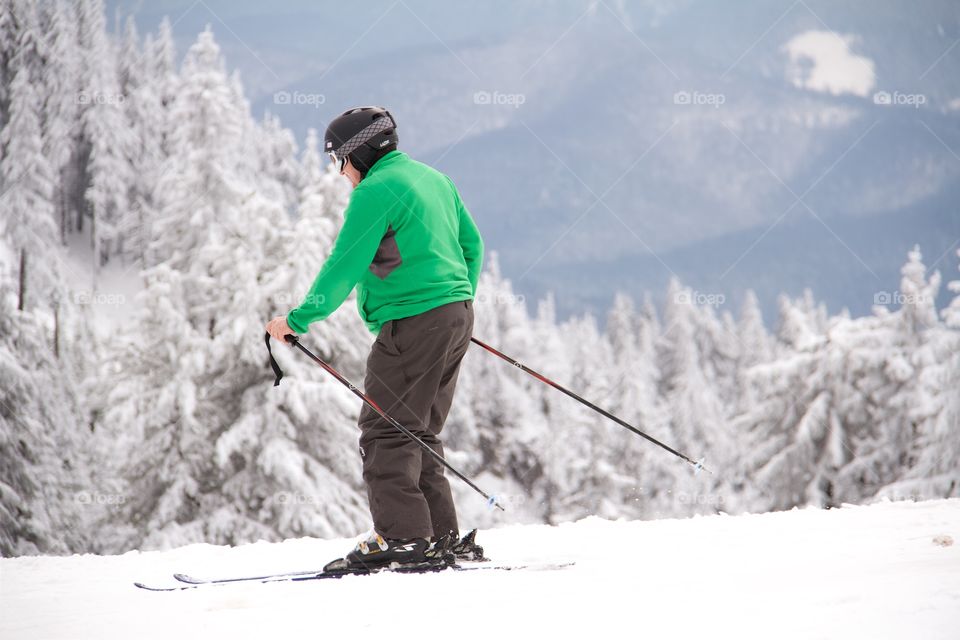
407, 243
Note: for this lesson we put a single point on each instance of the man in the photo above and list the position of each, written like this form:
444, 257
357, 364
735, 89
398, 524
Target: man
414, 253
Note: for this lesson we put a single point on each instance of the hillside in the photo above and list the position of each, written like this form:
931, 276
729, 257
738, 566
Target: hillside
856, 572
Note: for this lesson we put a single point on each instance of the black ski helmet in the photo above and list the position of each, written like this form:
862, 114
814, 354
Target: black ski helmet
364, 134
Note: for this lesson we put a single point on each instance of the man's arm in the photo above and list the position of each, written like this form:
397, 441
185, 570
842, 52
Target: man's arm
470, 242
364, 225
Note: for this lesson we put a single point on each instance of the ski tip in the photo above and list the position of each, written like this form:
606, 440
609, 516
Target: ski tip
147, 587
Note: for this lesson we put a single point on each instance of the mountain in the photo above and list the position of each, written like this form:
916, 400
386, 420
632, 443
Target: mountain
594, 138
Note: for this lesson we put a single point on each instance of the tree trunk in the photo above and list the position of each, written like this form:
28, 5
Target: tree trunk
56, 330
62, 193
23, 278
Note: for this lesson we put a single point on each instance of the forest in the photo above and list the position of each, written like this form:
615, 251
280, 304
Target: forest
158, 427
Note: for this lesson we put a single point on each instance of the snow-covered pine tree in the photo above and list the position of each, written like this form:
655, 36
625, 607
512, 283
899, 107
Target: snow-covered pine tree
12, 25
148, 118
129, 56
292, 458
163, 407
27, 181
160, 68
46, 502
105, 134
213, 452
565, 439
633, 397
797, 430
42, 464
277, 151
756, 344
697, 417
883, 362
589, 467
633, 337
632, 371
497, 424
933, 409
61, 122
755, 347
786, 426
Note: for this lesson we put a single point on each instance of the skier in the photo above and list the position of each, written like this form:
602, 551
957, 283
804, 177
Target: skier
413, 252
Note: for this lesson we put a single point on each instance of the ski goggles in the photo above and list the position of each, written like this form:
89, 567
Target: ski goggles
340, 162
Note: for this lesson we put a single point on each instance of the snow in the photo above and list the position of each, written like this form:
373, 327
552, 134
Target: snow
110, 294
879, 571
822, 61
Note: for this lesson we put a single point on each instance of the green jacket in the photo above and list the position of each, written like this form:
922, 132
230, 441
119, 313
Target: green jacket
407, 243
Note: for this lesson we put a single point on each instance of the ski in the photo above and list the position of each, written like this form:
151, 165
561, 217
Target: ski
187, 579
467, 543
188, 582
536, 566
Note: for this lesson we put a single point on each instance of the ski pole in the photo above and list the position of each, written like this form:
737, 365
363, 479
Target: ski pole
697, 464
294, 340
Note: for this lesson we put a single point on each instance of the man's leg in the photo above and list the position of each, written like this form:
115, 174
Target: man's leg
390, 459
404, 372
433, 484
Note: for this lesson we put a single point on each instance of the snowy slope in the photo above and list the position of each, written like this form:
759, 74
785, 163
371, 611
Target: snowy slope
857, 572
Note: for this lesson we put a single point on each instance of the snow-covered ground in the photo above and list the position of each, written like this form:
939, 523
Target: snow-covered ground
857, 572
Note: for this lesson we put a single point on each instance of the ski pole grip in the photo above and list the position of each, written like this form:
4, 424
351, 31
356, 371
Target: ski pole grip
277, 371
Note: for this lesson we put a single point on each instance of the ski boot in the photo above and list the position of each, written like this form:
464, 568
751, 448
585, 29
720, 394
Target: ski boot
465, 549
375, 552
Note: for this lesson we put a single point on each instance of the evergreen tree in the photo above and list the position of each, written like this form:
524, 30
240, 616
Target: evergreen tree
61, 122
498, 423
634, 397
106, 134
884, 364
218, 454
276, 150
28, 223
933, 409
44, 494
697, 418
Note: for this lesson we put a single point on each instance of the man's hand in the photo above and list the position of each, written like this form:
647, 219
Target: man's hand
278, 328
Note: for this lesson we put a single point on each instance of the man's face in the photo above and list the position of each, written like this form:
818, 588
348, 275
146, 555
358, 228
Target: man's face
352, 174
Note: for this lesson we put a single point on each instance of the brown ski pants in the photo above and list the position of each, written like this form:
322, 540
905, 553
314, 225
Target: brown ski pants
411, 374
